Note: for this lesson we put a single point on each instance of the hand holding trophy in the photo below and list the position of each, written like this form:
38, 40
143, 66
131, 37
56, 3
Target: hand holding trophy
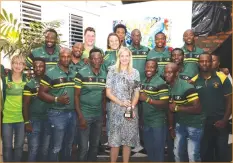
131, 86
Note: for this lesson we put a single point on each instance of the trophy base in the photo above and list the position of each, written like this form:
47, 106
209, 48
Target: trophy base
128, 115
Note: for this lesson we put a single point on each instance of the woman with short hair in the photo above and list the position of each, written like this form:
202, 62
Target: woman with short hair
13, 121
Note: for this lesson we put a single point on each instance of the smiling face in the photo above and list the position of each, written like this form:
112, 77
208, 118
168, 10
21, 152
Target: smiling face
50, 39
113, 42
150, 68
89, 38
124, 58
171, 72
177, 57
18, 64
160, 40
77, 50
188, 37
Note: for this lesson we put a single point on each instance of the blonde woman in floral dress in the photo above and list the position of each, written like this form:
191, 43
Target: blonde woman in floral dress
123, 91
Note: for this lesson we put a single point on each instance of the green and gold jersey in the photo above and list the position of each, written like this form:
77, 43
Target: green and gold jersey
191, 59
12, 111
110, 58
156, 89
37, 108
186, 73
139, 59
50, 59
212, 92
162, 58
76, 67
60, 83
86, 52
182, 93
91, 93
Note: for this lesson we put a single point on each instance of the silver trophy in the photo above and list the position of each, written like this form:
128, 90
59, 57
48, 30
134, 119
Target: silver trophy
131, 85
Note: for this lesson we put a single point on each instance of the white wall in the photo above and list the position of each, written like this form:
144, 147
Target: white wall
57, 10
180, 13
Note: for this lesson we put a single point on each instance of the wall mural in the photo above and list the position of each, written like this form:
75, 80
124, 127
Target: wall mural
148, 26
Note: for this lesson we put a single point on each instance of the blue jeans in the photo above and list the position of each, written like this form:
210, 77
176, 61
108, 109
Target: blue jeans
154, 142
187, 138
39, 140
92, 135
63, 124
7, 137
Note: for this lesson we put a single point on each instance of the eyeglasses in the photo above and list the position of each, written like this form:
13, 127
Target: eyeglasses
18, 63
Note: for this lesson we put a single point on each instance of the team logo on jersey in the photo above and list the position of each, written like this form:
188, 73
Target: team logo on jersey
143, 53
216, 84
90, 79
197, 56
198, 86
167, 59
177, 97
150, 88
102, 80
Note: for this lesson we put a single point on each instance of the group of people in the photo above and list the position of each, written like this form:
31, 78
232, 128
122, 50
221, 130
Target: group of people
154, 97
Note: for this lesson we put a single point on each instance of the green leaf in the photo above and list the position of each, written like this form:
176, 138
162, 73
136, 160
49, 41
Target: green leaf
11, 18
15, 22
5, 15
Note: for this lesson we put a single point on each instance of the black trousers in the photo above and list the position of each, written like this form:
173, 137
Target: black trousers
214, 144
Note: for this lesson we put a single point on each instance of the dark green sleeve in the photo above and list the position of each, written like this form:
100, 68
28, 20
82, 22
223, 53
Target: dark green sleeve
227, 87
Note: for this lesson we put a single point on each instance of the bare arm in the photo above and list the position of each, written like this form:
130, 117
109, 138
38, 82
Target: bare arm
77, 102
44, 95
193, 107
160, 103
228, 111
135, 98
170, 116
26, 102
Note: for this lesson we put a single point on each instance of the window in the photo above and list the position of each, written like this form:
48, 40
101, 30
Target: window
29, 12
76, 29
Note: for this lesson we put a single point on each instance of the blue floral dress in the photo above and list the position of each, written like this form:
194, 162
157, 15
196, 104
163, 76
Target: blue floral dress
122, 131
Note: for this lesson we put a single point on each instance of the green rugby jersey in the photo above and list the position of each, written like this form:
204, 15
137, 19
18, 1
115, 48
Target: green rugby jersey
186, 73
183, 93
139, 59
12, 111
86, 52
110, 58
37, 108
91, 93
76, 67
191, 59
59, 83
212, 92
156, 89
162, 58
50, 60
